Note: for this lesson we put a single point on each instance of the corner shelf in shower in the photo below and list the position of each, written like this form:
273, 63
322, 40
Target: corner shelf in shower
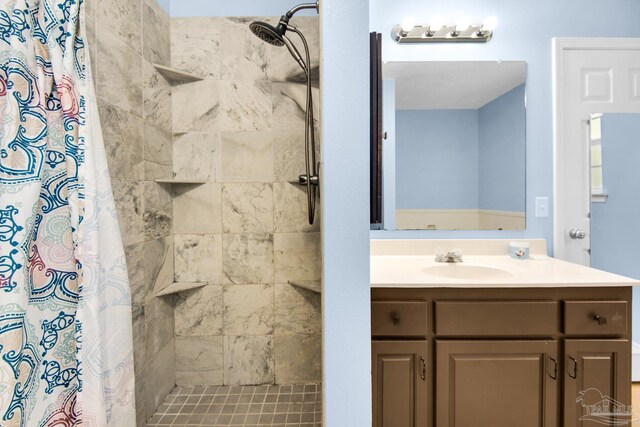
176, 77
310, 285
180, 181
178, 287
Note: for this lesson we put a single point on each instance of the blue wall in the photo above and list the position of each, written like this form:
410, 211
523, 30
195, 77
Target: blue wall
166, 4
501, 150
615, 225
524, 32
437, 159
346, 297
185, 8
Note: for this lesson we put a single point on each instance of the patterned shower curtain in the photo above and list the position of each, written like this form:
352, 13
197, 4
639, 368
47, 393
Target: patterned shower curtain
65, 317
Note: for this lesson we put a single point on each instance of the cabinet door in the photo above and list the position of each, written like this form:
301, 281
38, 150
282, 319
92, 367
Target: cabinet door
400, 383
597, 381
496, 383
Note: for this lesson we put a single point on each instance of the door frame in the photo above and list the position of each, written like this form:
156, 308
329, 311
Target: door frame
561, 185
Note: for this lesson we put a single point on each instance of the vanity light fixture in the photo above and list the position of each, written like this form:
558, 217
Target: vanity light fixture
438, 32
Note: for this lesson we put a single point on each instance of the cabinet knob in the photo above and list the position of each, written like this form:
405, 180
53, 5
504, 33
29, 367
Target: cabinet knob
600, 319
395, 318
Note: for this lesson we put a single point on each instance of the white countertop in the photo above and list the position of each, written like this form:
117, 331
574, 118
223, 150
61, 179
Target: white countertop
405, 270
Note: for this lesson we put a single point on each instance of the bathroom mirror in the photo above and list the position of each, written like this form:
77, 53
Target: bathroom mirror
459, 138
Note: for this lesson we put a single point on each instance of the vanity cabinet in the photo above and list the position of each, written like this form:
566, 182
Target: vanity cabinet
496, 383
451, 357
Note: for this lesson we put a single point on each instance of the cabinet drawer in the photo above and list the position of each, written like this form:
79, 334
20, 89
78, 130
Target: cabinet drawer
399, 318
497, 318
595, 317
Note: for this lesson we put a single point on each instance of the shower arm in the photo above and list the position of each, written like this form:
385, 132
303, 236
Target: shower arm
302, 7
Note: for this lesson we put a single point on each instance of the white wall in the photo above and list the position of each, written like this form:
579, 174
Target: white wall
345, 212
525, 30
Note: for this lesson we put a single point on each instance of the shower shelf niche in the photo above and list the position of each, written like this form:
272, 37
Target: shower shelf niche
180, 181
310, 285
176, 77
178, 287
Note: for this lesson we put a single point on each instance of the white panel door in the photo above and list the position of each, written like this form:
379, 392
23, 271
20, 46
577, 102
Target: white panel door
591, 76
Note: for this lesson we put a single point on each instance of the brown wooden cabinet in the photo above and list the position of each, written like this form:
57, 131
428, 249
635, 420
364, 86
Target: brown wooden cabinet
496, 383
500, 357
596, 371
400, 383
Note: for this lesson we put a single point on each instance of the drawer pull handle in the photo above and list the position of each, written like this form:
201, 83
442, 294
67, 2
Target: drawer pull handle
555, 369
600, 319
573, 373
423, 375
395, 318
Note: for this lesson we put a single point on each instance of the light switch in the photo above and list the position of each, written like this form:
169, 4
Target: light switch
542, 207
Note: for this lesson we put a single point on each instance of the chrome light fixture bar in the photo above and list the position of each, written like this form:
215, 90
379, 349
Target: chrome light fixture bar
407, 32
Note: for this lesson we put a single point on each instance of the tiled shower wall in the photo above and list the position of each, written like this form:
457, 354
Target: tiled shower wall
245, 232
126, 37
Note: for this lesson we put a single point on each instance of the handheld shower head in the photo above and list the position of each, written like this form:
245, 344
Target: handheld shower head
268, 33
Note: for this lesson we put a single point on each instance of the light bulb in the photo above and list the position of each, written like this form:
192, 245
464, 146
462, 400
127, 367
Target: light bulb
463, 23
437, 24
490, 24
407, 24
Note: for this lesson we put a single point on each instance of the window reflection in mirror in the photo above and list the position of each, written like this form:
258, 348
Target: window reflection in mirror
459, 144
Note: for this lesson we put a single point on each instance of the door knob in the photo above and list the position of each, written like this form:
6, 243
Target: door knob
576, 233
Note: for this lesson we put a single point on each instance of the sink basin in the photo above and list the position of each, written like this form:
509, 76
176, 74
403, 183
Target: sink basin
467, 272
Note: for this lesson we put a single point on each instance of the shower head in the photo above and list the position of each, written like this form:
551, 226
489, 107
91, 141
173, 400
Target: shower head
268, 33
275, 35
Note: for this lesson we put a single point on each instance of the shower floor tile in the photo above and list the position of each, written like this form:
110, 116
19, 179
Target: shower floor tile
248, 406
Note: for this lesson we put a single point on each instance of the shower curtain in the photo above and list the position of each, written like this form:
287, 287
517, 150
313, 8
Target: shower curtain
65, 317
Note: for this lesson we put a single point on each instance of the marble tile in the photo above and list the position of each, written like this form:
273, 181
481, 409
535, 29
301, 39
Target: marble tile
197, 156
297, 257
247, 208
195, 45
196, 106
158, 265
119, 74
159, 324
298, 359
158, 210
248, 360
199, 361
291, 209
290, 106
156, 97
121, 18
159, 376
197, 209
297, 311
156, 30
282, 66
198, 312
198, 258
135, 266
247, 258
288, 155
246, 105
248, 310
158, 153
247, 157
139, 360
129, 203
123, 141
243, 55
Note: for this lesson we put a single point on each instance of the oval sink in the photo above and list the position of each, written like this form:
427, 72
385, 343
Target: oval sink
467, 272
